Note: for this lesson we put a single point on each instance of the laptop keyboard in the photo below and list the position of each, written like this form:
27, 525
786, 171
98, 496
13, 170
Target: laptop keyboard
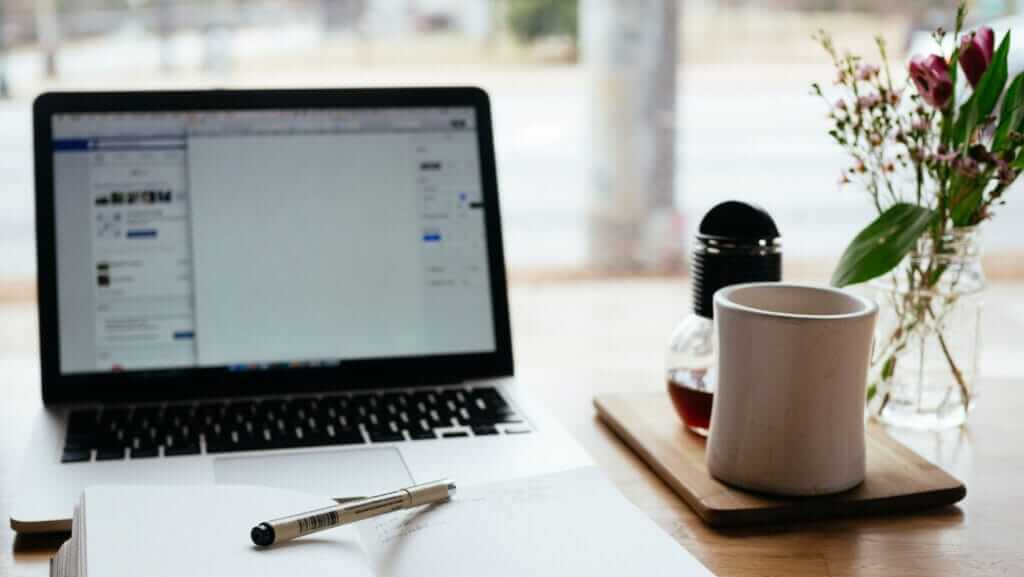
167, 430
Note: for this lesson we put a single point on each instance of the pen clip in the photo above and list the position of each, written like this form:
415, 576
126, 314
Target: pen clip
343, 500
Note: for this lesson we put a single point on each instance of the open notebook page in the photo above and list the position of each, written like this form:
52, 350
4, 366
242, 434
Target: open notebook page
204, 531
567, 524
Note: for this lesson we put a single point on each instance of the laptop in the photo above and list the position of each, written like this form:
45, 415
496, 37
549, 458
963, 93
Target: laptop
293, 288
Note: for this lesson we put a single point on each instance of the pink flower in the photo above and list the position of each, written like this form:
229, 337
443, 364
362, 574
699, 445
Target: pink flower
1006, 174
866, 72
868, 102
968, 167
976, 53
931, 76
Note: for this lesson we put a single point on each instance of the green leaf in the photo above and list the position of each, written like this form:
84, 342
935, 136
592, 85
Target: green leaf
986, 94
1012, 113
1019, 163
889, 367
883, 244
965, 208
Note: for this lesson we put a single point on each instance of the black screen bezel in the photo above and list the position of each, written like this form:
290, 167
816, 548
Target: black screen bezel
169, 384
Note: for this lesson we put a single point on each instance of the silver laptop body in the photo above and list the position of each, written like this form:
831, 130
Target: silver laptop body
297, 288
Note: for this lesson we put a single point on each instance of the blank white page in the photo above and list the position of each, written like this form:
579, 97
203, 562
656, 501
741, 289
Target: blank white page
167, 531
569, 524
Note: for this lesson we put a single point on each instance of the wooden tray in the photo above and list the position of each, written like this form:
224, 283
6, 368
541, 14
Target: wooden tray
898, 479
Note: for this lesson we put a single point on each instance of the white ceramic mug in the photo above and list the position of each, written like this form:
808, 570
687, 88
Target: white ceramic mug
788, 414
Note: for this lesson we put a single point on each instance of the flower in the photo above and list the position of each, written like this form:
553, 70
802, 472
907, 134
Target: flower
1005, 173
931, 76
976, 53
866, 72
868, 102
967, 166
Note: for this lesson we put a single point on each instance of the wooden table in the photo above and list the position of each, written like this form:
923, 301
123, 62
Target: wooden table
981, 536
599, 352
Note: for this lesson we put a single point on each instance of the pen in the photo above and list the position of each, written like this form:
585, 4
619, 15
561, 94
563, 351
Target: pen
287, 528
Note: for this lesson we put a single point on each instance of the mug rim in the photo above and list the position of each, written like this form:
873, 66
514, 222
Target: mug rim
722, 298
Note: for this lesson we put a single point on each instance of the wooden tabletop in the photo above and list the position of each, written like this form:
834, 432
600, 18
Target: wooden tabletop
980, 536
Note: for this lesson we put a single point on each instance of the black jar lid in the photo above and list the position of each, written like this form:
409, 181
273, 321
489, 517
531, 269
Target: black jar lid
736, 243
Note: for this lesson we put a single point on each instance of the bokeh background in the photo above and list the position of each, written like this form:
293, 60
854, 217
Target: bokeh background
706, 100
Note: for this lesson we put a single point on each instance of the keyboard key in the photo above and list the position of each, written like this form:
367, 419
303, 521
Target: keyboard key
419, 435
75, 456
507, 416
186, 449
109, 454
481, 430
344, 437
79, 443
385, 437
222, 444
144, 452
452, 434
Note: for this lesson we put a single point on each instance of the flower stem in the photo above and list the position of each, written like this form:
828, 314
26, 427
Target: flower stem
965, 394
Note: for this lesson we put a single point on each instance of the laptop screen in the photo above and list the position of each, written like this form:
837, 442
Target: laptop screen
254, 239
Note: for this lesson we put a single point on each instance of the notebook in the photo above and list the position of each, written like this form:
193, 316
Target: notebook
568, 524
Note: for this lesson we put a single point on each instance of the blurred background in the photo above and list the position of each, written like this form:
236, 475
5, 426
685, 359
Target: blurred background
617, 123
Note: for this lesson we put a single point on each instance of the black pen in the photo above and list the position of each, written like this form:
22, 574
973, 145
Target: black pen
287, 528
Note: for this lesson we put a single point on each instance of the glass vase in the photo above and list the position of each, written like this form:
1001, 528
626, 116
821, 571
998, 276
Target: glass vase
925, 361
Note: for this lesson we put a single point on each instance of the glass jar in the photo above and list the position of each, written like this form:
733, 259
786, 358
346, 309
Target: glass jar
691, 368
925, 361
735, 243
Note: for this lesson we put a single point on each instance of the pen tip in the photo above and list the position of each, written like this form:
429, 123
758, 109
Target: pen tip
262, 535
451, 488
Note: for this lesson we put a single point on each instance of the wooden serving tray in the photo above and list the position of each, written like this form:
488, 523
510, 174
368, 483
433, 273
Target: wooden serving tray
898, 479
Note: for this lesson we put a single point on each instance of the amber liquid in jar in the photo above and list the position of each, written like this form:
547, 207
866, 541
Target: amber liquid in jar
692, 398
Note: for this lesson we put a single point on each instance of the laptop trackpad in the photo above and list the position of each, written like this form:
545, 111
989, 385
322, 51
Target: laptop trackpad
329, 473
